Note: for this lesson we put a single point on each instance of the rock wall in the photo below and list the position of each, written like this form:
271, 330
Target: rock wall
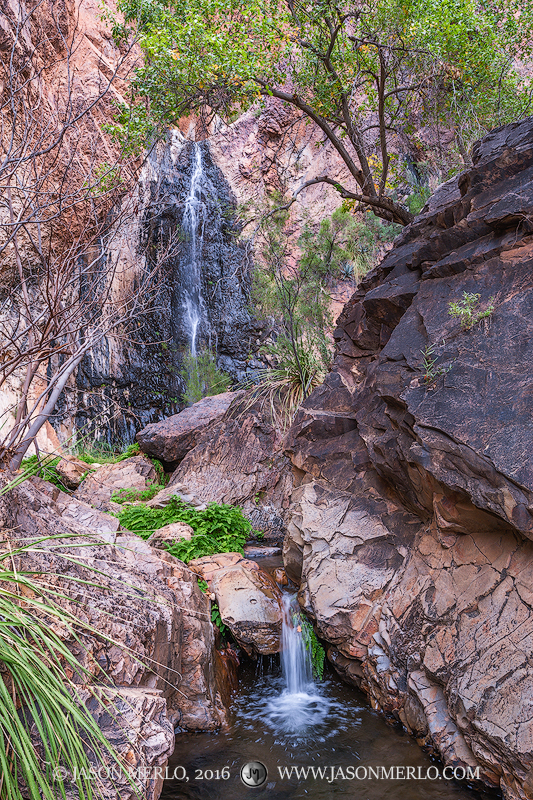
154, 639
411, 523
129, 382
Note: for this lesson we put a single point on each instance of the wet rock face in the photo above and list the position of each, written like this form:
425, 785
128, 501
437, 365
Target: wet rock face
126, 383
412, 527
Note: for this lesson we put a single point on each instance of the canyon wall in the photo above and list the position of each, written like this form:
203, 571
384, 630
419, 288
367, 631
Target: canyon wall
411, 525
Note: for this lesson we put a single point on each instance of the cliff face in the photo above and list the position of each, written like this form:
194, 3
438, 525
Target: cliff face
412, 523
129, 382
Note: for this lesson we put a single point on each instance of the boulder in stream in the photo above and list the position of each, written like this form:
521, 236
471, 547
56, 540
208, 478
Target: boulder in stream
248, 599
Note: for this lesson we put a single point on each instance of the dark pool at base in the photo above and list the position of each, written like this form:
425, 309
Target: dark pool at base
343, 731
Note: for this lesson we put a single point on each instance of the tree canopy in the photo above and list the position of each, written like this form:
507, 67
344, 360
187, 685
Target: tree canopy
362, 72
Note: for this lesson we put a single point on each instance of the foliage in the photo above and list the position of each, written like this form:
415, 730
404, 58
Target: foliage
219, 528
202, 377
314, 648
36, 693
285, 387
102, 453
362, 72
417, 200
344, 246
44, 467
132, 495
429, 361
216, 619
202, 585
468, 310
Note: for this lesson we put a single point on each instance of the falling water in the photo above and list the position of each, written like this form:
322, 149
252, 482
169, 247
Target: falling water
287, 721
194, 219
295, 658
300, 706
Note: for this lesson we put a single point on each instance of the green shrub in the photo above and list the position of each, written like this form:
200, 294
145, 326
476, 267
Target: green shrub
202, 377
134, 495
468, 310
219, 528
417, 200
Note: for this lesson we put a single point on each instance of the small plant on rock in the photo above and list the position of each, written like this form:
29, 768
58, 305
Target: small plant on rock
429, 361
216, 619
134, 495
468, 310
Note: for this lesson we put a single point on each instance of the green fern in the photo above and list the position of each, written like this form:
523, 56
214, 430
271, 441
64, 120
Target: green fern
220, 528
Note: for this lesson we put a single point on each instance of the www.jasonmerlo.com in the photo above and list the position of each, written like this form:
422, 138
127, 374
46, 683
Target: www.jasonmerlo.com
328, 773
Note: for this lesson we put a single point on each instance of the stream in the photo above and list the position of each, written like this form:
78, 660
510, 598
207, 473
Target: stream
286, 721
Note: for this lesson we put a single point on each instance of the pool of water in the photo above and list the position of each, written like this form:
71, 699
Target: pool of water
288, 722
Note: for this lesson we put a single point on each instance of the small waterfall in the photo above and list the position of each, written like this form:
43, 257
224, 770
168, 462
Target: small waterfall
194, 219
300, 706
295, 658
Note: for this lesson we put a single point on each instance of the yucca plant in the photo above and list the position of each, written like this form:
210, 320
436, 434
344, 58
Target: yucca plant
45, 732
301, 367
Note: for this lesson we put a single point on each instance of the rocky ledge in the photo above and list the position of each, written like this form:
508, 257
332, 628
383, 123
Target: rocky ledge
411, 523
146, 626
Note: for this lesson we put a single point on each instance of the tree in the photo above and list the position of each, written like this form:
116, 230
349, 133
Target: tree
362, 73
62, 214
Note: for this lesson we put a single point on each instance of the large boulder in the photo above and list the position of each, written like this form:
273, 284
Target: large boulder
97, 489
154, 636
240, 461
248, 599
411, 526
171, 439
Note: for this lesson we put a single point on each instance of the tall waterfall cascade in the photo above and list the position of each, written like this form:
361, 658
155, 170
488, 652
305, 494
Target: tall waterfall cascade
194, 221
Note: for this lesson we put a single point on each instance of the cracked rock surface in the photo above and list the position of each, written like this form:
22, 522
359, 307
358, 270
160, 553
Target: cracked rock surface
411, 524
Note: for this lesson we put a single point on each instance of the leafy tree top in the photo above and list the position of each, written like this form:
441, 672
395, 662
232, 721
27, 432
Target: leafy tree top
363, 73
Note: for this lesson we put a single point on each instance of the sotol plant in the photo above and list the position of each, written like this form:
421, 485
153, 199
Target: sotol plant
37, 694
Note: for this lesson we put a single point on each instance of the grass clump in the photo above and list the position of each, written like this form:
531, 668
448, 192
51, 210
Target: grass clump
132, 495
102, 453
42, 725
220, 528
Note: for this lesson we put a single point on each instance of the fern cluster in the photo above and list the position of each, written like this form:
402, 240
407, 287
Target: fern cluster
220, 528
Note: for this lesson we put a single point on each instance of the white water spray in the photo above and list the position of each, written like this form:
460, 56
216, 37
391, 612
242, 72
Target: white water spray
301, 706
194, 219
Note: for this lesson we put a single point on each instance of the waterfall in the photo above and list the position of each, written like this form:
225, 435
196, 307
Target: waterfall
295, 658
300, 706
194, 219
